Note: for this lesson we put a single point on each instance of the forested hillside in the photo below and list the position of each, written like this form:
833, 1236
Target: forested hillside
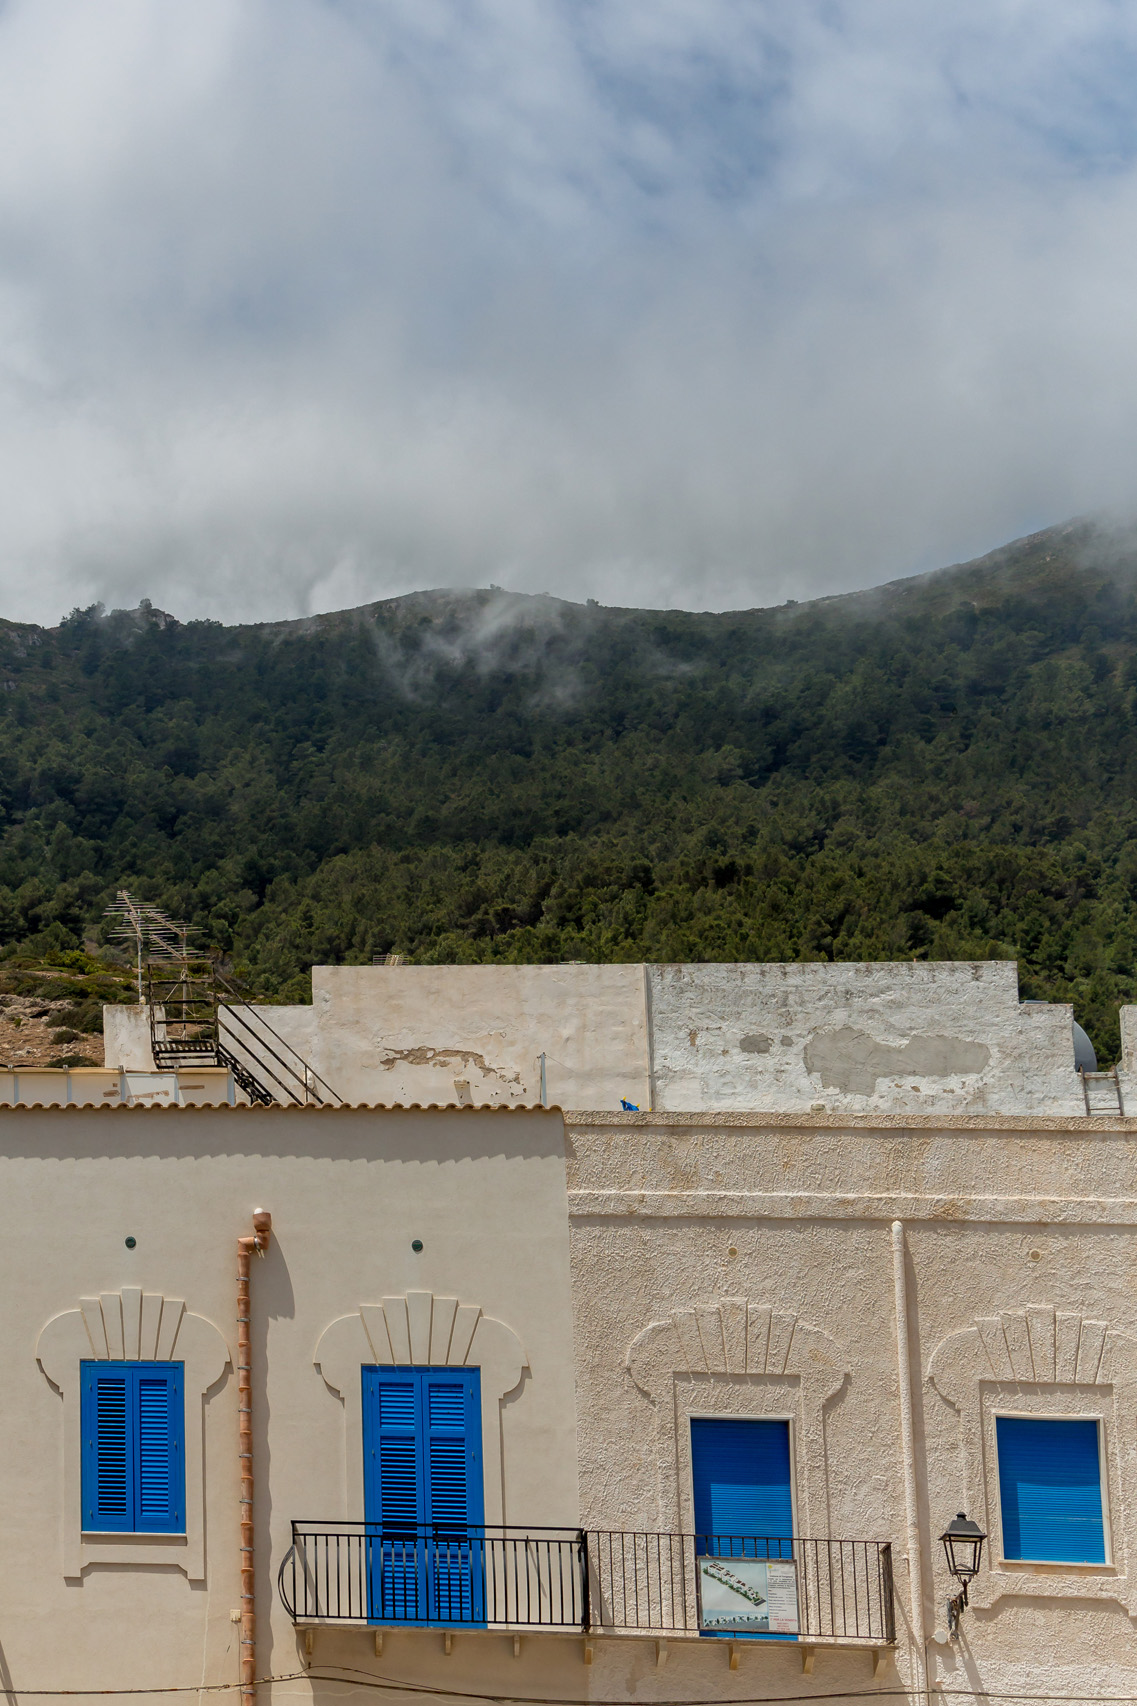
944, 768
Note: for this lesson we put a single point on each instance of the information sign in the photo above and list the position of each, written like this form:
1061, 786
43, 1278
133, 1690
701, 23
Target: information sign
748, 1596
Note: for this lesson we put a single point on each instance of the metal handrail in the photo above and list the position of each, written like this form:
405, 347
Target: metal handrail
477, 1576
261, 1064
559, 1578
307, 1073
207, 1024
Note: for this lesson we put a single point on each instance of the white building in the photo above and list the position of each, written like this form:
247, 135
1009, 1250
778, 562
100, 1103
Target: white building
925, 1037
592, 1405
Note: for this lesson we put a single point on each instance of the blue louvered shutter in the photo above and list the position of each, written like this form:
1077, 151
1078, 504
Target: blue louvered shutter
451, 1426
107, 1457
741, 1470
133, 1447
423, 1497
160, 1488
393, 1495
393, 1491
1050, 1490
451, 1434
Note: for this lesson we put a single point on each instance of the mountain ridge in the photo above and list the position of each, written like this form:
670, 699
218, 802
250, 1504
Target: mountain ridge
942, 767
450, 600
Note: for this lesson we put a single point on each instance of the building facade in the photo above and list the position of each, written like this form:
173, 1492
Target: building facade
598, 1405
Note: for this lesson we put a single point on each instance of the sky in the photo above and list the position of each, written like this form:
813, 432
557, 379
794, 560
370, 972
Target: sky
700, 303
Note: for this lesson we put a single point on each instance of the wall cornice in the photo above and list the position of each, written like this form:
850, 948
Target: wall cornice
794, 1205
760, 1120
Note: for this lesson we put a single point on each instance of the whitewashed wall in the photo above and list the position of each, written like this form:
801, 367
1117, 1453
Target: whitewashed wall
907, 1037
348, 1192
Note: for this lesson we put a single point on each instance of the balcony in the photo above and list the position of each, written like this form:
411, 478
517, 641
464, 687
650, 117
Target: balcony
590, 1581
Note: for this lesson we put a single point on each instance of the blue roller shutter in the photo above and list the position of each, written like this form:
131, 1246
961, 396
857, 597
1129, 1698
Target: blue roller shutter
423, 1494
743, 1502
132, 1417
1050, 1490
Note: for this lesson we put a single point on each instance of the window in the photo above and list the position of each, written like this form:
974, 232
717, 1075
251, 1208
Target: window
743, 1507
132, 1418
1050, 1489
741, 1473
422, 1491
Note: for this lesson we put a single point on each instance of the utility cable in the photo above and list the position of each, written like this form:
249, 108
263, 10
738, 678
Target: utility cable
390, 1685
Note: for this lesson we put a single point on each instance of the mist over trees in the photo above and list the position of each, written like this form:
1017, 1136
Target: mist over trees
942, 769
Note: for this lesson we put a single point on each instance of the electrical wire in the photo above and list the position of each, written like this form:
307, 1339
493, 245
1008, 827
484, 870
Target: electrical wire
391, 1685
14, 1693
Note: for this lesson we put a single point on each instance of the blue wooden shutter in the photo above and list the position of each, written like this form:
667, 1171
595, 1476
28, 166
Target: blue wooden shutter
132, 1419
393, 1495
741, 1470
423, 1494
108, 1456
451, 1428
1050, 1490
161, 1478
451, 1431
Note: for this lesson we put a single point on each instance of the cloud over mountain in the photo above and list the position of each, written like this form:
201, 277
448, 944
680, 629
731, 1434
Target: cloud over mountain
708, 302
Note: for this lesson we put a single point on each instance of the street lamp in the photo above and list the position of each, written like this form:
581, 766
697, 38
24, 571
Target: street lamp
963, 1546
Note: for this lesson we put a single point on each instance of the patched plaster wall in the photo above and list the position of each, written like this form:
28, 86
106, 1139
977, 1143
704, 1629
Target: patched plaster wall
691, 1232
866, 1038
919, 1037
401, 1034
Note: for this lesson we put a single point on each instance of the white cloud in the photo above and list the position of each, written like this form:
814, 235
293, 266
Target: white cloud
711, 302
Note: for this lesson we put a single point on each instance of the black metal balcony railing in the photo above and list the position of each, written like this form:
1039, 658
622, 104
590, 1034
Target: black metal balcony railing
568, 1579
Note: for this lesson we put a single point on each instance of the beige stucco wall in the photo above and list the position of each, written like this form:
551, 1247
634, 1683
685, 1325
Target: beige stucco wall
404, 1034
347, 1191
685, 1227
775, 1234
100, 1087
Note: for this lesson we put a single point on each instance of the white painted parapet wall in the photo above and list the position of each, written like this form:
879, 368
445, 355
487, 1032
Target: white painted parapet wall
867, 1038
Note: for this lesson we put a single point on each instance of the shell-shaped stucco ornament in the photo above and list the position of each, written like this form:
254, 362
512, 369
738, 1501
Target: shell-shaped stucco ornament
419, 1330
135, 1326
1039, 1345
732, 1336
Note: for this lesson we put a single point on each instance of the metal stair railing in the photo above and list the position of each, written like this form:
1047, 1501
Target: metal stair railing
192, 1026
269, 1057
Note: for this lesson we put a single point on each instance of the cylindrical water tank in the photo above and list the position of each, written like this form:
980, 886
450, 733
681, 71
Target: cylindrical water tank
1085, 1060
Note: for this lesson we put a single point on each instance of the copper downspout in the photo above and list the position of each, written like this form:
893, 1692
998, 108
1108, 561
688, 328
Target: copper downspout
262, 1229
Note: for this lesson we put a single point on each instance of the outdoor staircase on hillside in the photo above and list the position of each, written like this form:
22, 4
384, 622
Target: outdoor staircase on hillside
198, 1019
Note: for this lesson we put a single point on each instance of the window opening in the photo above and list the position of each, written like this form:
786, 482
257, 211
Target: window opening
423, 1495
132, 1417
1050, 1489
743, 1507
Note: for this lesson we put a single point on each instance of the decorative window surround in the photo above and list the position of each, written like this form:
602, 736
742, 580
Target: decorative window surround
134, 1326
421, 1330
737, 1358
1044, 1362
